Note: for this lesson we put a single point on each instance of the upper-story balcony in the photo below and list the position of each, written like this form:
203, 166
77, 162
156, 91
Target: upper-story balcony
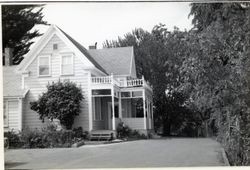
120, 82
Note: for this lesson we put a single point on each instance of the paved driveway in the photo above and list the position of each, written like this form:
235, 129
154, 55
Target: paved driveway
144, 153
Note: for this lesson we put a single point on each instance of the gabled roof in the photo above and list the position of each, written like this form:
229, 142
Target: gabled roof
84, 51
12, 82
114, 60
71, 42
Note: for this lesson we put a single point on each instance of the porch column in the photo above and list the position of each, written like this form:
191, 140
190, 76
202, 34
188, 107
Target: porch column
90, 102
148, 111
144, 109
113, 102
120, 105
152, 113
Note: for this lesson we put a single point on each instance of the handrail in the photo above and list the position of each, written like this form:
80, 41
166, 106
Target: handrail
136, 82
127, 83
101, 80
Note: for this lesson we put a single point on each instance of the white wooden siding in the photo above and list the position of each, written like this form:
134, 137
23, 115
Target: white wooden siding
13, 118
37, 84
134, 123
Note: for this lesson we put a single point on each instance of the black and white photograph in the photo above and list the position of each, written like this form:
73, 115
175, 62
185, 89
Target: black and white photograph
122, 84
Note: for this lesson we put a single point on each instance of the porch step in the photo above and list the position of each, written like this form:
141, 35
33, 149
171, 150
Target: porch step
102, 135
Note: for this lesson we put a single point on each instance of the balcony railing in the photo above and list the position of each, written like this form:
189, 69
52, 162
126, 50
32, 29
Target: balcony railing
124, 83
133, 83
101, 80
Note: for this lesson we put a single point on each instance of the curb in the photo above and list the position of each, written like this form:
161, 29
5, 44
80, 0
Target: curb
224, 156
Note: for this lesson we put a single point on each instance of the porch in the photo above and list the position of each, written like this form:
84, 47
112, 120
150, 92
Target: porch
116, 100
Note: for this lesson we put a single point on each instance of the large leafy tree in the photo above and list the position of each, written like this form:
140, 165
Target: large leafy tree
216, 73
61, 101
17, 21
158, 56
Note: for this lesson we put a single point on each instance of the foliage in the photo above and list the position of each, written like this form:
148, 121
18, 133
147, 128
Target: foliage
216, 72
200, 78
124, 131
13, 139
61, 101
158, 56
17, 21
78, 133
47, 137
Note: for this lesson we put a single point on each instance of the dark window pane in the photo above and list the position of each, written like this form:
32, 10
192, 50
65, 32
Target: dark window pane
116, 111
101, 92
125, 94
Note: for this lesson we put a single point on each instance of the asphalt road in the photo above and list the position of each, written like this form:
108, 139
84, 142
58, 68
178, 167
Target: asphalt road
170, 152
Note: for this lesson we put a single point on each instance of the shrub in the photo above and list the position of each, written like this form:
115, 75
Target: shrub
13, 139
47, 138
123, 131
61, 101
78, 132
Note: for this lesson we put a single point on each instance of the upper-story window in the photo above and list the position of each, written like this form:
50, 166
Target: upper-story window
67, 64
44, 65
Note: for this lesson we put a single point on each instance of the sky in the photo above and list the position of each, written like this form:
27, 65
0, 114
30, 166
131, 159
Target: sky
88, 23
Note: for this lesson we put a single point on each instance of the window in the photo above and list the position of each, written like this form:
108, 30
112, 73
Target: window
44, 65
67, 64
5, 114
55, 46
132, 108
131, 94
103, 92
125, 94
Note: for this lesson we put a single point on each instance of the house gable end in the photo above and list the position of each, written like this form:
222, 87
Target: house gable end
44, 46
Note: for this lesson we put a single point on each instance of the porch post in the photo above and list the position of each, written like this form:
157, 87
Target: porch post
120, 105
144, 109
148, 118
152, 113
113, 102
90, 102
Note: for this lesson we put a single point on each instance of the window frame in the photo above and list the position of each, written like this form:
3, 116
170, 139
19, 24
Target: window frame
38, 68
131, 94
61, 64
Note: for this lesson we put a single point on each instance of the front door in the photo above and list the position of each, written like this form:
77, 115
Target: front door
110, 113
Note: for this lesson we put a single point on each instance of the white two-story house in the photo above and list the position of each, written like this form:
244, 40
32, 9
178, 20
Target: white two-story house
112, 92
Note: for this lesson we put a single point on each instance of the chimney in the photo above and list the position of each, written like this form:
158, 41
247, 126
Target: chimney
93, 47
8, 56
